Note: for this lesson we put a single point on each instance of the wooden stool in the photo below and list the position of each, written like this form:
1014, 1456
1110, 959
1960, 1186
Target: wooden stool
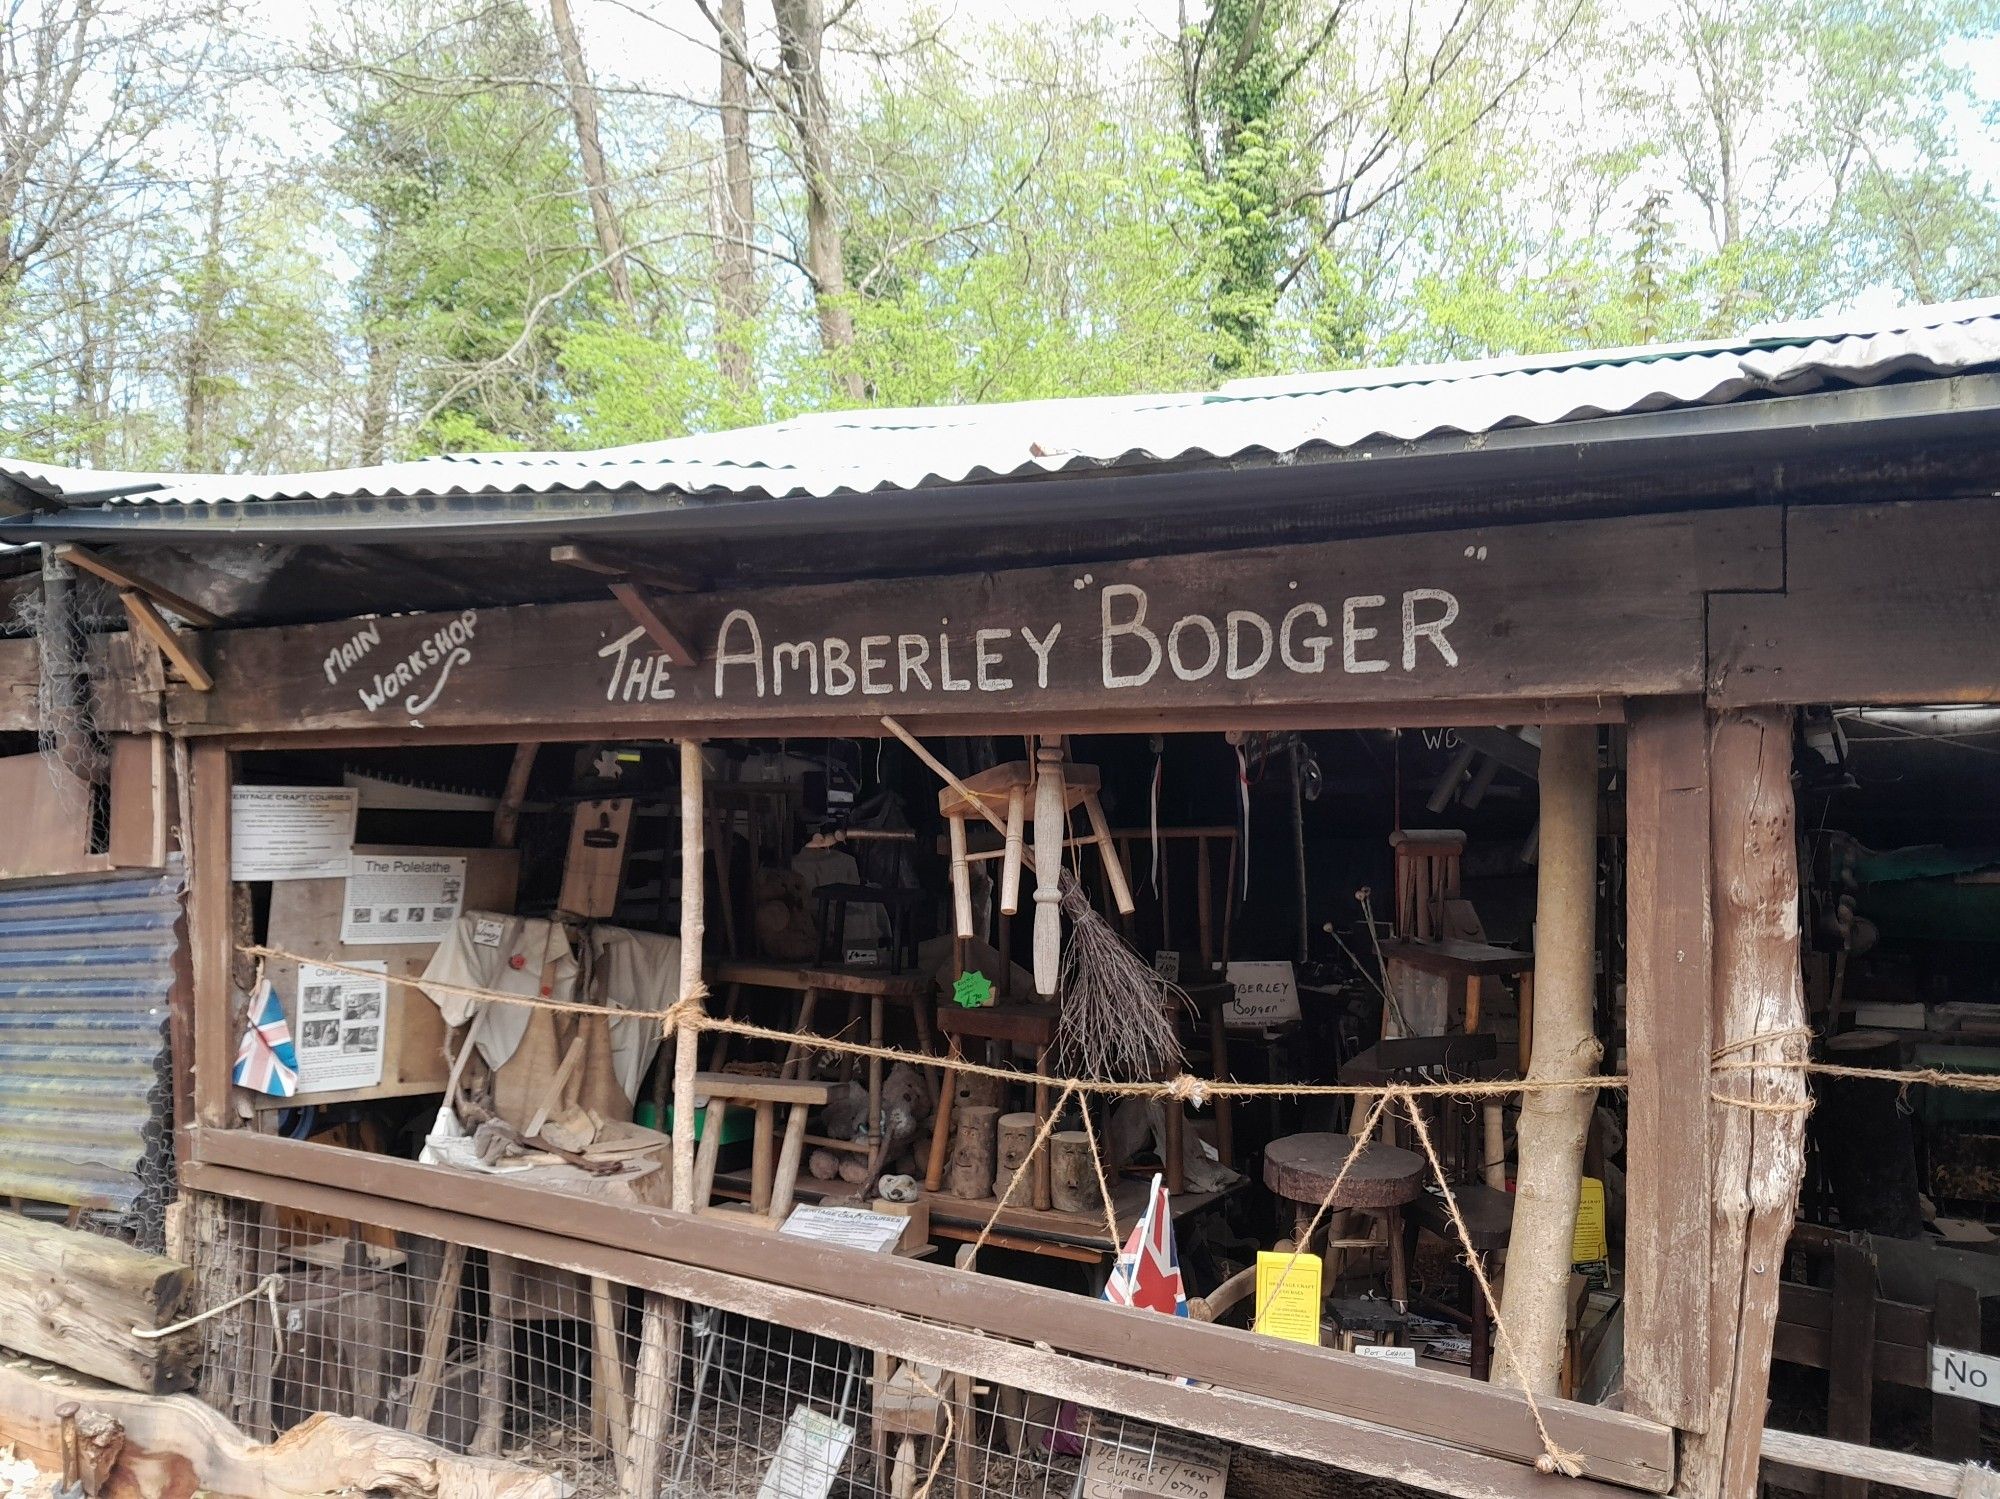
1427, 875
1381, 1182
773, 1179
899, 910
1026, 1025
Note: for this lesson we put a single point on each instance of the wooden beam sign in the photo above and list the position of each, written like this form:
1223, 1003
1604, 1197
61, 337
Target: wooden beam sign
1517, 614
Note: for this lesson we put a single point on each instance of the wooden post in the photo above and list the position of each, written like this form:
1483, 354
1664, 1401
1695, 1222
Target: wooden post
205, 844
1756, 1156
660, 1325
1049, 799
1667, 1034
1553, 1124
1850, 1395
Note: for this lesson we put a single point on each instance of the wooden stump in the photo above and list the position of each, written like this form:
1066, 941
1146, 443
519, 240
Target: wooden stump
975, 1090
73, 1298
1017, 1136
1072, 1177
973, 1144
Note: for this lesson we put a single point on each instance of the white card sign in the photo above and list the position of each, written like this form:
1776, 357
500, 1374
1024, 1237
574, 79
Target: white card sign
1171, 1466
1387, 1355
291, 832
342, 1020
851, 1228
1969, 1375
397, 898
1267, 994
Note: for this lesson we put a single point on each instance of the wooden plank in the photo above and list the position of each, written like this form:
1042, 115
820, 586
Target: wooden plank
1483, 1417
740, 1088
178, 650
1756, 1156
1894, 603
1516, 615
205, 844
652, 574
600, 841
1667, 1036
440, 1314
74, 1298
1850, 1399
1898, 1324
125, 580
1902, 1470
140, 786
507, 816
48, 819
1955, 1421
1273, 1425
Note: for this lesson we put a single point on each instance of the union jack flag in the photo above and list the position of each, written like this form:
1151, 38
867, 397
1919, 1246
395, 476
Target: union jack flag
1148, 1271
266, 1060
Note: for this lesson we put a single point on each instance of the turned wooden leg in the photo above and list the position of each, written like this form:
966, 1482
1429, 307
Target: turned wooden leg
941, 1130
1044, 1198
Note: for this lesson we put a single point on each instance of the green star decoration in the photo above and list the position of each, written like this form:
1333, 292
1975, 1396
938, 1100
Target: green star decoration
973, 989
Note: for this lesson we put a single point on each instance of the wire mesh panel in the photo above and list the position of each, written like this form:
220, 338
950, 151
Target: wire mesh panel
493, 1355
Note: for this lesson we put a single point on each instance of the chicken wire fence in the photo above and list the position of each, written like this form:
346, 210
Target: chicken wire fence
490, 1355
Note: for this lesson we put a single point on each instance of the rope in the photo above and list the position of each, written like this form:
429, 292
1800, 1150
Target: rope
1554, 1459
267, 1288
1103, 1186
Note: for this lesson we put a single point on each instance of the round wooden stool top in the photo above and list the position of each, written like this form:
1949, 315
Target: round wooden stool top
1300, 1168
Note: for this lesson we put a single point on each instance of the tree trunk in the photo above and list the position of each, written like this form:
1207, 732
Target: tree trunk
198, 366
801, 31
582, 99
1758, 1155
73, 1298
1553, 1124
736, 208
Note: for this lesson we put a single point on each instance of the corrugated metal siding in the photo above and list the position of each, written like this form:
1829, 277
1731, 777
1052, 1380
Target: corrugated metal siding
85, 1086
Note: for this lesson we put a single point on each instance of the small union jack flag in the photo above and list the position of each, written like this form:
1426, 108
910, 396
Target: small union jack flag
266, 1061
1148, 1272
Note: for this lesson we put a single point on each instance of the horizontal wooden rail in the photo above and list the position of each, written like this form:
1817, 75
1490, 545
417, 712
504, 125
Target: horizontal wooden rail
1226, 1415
1439, 1408
1923, 1475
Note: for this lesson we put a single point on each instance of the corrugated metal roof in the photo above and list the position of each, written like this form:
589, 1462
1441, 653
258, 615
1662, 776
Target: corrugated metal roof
865, 451
85, 1094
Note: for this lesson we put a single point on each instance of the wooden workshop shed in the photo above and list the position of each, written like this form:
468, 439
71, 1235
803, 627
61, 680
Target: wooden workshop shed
1686, 542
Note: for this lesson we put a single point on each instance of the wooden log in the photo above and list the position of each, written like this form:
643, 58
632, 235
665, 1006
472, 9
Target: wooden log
438, 1318
1757, 1156
1072, 1178
74, 1298
1553, 1123
973, 1143
653, 1391
496, 1356
1017, 1133
176, 1448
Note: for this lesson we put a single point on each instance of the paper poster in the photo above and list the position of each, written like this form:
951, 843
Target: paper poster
342, 1020
1174, 1467
1590, 1242
1288, 1303
291, 832
1266, 994
808, 1458
396, 898
851, 1228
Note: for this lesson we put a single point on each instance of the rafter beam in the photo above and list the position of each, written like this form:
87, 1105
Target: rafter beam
146, 621
130, 582
636, 604
660, 579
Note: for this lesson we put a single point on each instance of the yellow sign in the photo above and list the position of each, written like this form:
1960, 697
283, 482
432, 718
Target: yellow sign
1591, 1243
1288, 1296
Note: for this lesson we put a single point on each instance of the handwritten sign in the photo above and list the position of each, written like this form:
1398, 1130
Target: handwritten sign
1382, 1354
291, 832
1267, 994
1161, 1463
972, 990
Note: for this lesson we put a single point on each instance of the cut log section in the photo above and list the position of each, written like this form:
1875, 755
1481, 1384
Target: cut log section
74, 1298
973, 1143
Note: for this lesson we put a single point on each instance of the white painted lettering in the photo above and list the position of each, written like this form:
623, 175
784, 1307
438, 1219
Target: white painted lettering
791, 653
982, 659
1316, 646
912, 651
834, 664
1135, 626
951, 683
1041, 649
751, 655
1430, 629
1237, 671
871, 662
1353, 635
1207, 627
